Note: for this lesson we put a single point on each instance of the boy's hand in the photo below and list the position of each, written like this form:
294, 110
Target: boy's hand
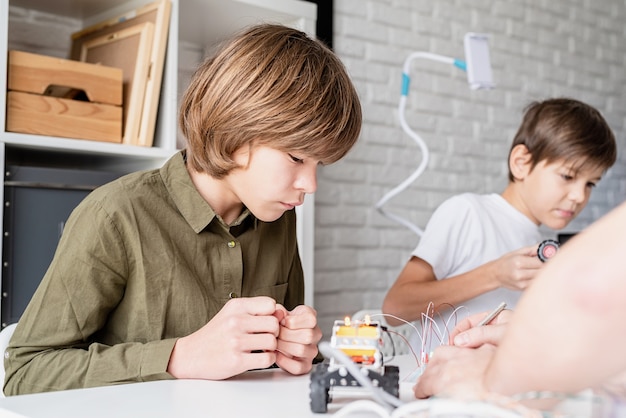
515, 270
224, 346
297, 340
468, 334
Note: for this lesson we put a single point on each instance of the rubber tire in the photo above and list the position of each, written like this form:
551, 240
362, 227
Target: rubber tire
319, 389
391, 380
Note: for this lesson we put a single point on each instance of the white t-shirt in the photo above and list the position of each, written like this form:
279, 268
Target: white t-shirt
465, 232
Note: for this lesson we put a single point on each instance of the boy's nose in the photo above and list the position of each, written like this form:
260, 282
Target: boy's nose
307, 181
579, 193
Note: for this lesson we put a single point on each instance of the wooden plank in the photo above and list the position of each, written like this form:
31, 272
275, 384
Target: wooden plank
53, 116
36, 73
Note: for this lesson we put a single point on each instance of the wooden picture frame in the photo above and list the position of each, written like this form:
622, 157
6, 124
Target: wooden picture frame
128, 49
158, 13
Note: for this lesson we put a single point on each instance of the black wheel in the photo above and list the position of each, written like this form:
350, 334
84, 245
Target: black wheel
319, 389
391, 380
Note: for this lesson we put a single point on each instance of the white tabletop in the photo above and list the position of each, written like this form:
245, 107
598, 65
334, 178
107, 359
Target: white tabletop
264, 393
259, 394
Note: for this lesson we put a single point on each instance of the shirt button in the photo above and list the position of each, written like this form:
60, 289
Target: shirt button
232, 295
231, 244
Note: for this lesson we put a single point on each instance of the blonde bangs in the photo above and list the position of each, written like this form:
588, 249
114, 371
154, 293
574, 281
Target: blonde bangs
272, 85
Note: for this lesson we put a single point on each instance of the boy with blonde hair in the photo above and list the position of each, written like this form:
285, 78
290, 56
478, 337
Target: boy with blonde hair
480, 250
192, 270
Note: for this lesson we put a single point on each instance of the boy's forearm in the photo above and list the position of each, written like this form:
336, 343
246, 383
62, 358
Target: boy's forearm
410, 300
52, 369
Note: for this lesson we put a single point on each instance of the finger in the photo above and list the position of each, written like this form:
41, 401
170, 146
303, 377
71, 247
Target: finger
473, 321
300, 322
530, 250
462, 326
297, 350
294, 365
256, 342
301, 336
478, 336
280, 312
303, 309
503, 317
235, 363
533, 263
302, 317
422, 389
468, 323
427, 384
258, 305
256, 324
258, 360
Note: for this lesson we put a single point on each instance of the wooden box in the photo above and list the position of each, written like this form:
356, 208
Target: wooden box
58, 97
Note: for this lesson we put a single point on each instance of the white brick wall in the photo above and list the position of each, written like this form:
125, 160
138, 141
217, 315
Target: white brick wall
538, 49
27, 27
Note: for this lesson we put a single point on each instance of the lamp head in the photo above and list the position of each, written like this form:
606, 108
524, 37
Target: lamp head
478, 62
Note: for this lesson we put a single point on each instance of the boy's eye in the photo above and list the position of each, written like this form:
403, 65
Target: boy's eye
295, 159
591, 184
566, 177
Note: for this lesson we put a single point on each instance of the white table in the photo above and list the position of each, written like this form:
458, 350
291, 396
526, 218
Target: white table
264, 393
258, 394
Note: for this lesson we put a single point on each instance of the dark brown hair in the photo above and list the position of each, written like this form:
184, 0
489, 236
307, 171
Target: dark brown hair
269, 85
566, 129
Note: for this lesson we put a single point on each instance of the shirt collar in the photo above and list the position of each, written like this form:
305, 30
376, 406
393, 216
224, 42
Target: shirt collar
196, 211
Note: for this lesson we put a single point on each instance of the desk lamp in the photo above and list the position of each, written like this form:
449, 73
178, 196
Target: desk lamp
479, 76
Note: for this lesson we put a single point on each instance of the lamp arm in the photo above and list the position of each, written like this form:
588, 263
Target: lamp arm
413, 135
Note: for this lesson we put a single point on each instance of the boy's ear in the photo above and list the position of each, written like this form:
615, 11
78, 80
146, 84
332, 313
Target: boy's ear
520, 162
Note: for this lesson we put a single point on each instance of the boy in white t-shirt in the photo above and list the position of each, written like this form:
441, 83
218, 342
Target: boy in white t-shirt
480, 250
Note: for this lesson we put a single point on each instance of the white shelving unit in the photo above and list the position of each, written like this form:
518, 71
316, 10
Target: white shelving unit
201, 23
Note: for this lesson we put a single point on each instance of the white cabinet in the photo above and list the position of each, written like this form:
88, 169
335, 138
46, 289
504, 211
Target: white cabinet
195, 28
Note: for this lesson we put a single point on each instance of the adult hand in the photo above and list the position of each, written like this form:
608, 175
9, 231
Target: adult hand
297, 340
515, 270
242, 336
468, 334
455, 372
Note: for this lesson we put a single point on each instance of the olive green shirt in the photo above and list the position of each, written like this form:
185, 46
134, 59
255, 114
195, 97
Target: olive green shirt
143, 261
